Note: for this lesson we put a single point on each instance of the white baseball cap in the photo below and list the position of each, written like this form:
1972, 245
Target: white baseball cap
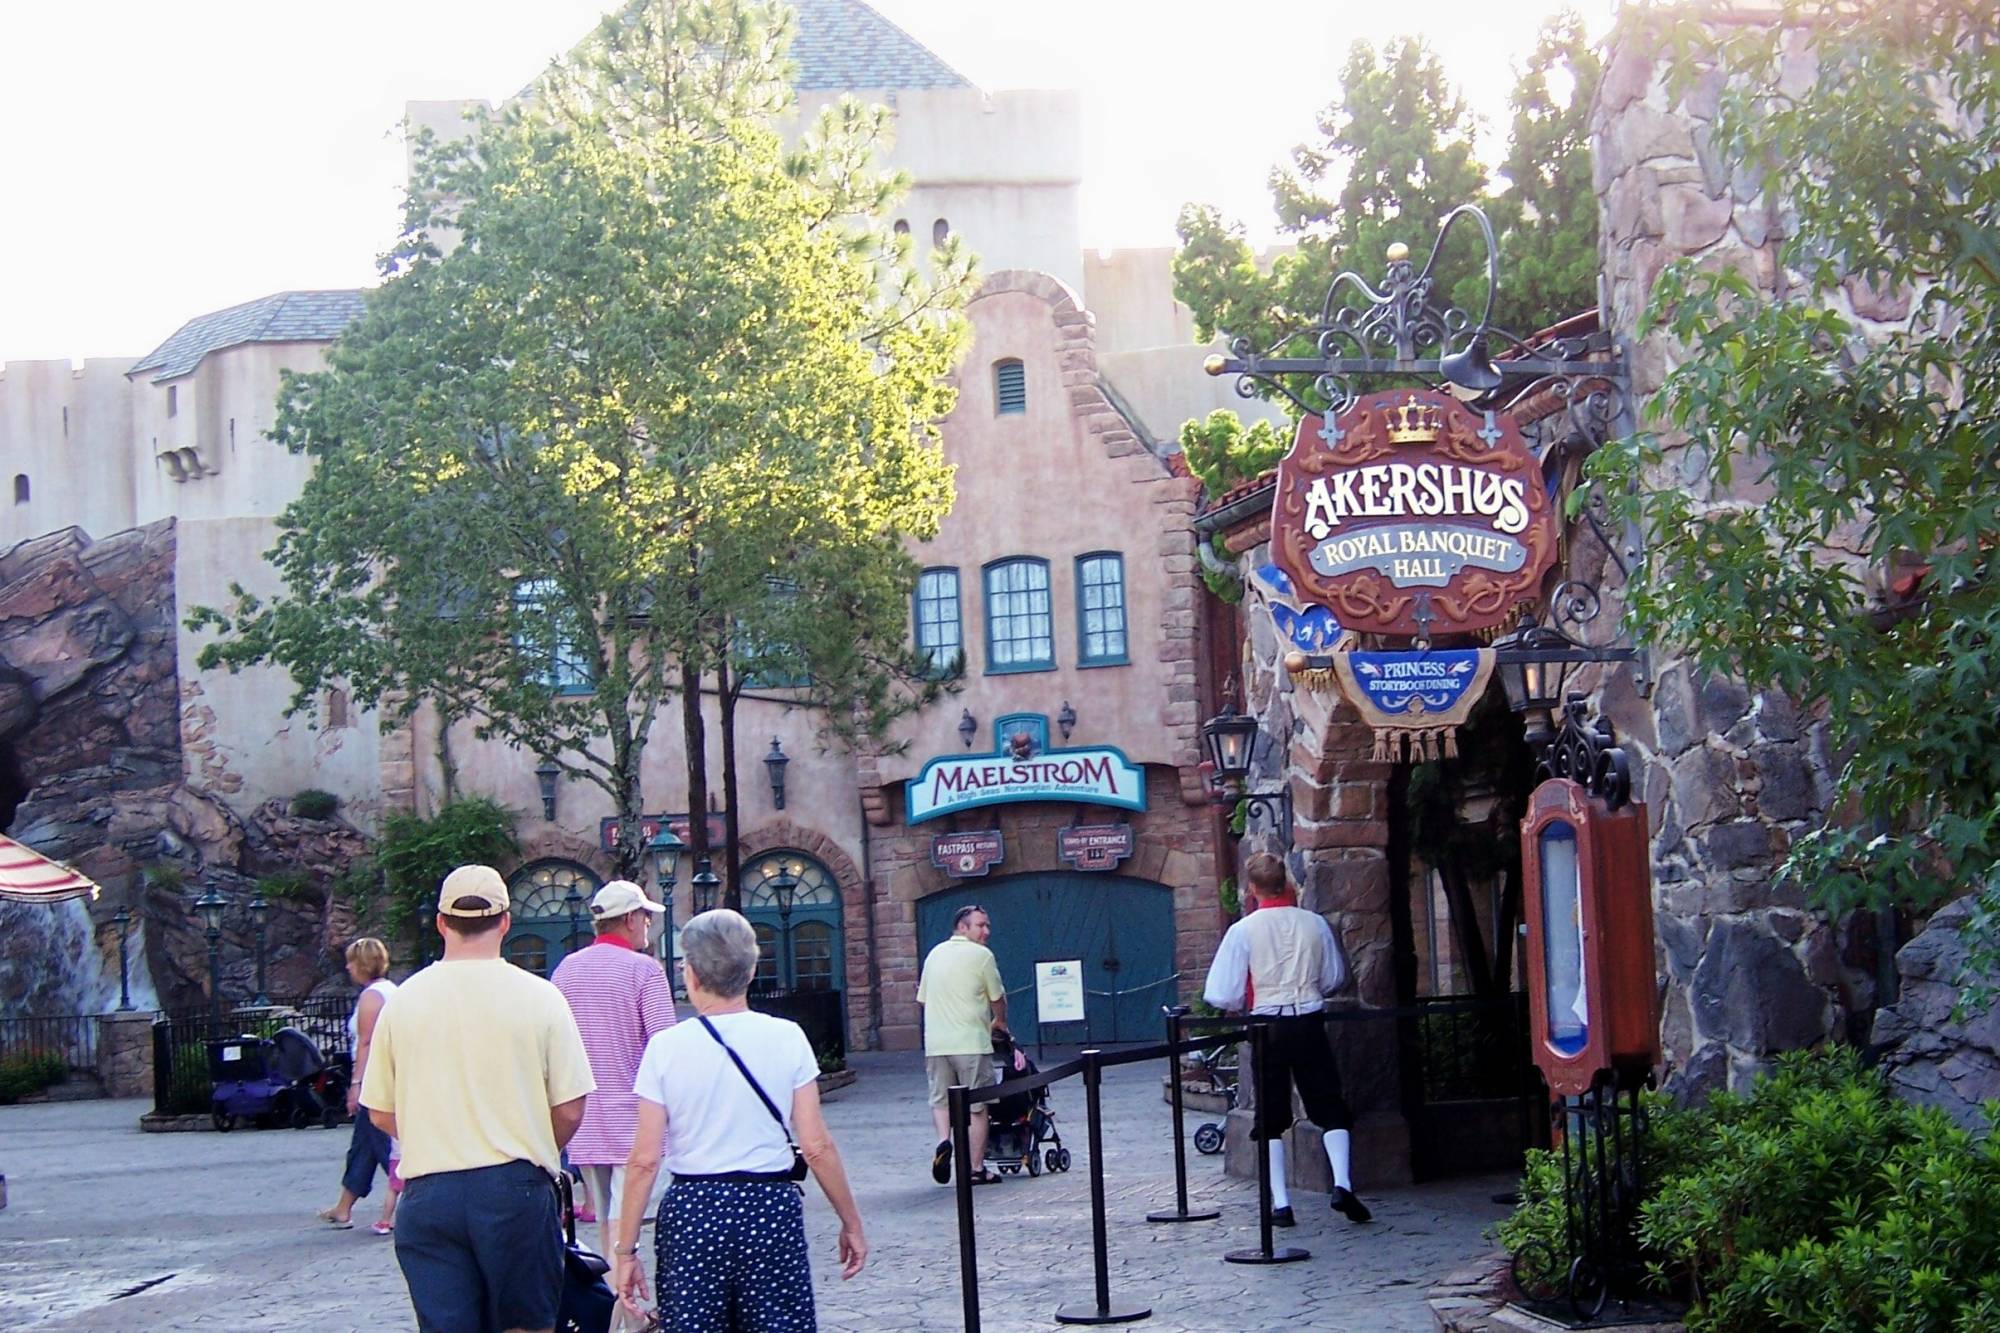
619, 897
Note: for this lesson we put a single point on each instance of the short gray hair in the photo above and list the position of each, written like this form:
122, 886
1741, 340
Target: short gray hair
721, 947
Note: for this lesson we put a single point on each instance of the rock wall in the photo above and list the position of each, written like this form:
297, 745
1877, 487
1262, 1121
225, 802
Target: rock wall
92, 773
1730, 776
1931, 1053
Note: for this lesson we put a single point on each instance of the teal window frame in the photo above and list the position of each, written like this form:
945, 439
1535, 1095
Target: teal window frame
941, 668
773, 675
1019, 393
995, 667
1084, 657
560, 669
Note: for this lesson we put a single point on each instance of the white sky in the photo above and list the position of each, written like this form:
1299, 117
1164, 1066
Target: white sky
163, 160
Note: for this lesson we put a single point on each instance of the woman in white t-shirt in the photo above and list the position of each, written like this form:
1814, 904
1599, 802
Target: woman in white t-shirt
368, 1148
730, 1245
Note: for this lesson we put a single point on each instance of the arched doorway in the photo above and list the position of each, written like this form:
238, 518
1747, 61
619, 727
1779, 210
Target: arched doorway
543, 933
793, 903
1120, 927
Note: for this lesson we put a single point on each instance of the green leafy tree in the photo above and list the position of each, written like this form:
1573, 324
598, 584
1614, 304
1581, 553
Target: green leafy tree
1395, 153
1821, 500
633, 358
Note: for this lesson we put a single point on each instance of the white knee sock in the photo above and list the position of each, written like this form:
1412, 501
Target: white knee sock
1338, 1146
1281, 1194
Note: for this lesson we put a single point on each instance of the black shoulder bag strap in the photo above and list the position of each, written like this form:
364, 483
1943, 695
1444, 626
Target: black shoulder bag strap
798, 1171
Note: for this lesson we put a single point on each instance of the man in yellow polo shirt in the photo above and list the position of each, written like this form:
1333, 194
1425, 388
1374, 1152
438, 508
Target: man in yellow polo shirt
963, 1001
477, 1067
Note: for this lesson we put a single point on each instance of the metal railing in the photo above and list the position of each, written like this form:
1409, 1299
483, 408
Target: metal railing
72, 1037
180, 1058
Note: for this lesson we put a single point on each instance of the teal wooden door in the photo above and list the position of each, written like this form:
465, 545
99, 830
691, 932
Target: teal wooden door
1122, 929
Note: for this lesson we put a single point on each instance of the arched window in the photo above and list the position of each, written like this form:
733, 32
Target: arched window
1020, 633
20, 488
794, 904
1010, 387
544, 933
902, 226
939, 231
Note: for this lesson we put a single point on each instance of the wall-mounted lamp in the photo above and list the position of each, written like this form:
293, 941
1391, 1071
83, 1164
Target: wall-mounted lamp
774, 763
546, 774
968, 726
1231, 738
1066, 720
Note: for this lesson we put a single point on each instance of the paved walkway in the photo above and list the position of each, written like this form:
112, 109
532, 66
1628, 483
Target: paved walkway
111, 1229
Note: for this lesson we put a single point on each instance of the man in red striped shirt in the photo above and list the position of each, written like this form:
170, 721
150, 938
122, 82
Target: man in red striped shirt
620, 997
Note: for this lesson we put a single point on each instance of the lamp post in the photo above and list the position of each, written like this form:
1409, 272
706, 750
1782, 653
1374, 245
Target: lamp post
667, 849
546, 774
574, 902
1231, 740
122, 919
775, 763
210, 906
258, 910
784, 887
704, 884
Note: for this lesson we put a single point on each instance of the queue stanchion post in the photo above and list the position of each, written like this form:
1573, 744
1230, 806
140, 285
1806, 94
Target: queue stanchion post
1179, 1212
1266, 1252
1100, 1310
959, 1105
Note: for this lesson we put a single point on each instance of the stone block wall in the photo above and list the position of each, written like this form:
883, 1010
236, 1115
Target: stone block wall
1730, 776
125, 1054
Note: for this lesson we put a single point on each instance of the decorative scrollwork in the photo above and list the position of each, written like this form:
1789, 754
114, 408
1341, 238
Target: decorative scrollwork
1575, 604
1587, 753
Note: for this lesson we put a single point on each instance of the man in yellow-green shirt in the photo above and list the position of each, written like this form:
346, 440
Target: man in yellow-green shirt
477, 1067
963, 1001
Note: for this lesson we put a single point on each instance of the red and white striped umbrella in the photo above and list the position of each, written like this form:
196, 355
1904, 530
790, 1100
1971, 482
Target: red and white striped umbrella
26, 876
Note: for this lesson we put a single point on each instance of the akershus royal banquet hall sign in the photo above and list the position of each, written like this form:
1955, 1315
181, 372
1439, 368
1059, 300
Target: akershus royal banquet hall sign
1406, 518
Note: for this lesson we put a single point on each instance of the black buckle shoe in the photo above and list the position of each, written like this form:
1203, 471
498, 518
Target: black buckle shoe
1282, 1217
941, 1162
1350, 1207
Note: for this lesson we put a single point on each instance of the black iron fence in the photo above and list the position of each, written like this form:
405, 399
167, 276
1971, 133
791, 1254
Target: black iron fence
180, 1056
822, 1013
72, 1038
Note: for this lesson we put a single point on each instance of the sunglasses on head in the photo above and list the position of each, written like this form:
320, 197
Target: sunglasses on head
964, 914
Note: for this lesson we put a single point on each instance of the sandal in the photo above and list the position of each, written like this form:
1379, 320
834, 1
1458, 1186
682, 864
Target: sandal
984, 1177
383, 1228
338, 1224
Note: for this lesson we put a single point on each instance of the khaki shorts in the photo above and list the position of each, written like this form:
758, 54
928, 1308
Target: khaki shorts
947, 1071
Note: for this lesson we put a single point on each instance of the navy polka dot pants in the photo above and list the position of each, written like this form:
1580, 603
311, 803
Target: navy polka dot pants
731, 1258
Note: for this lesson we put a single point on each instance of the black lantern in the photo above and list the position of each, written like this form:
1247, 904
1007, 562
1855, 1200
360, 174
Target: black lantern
1231, 738
211, 905
122, 919
258, 911
574, 902
774, 763
667, 849
704, 883
784, 886
1534, 663
1066, 720
967, 726
546, 774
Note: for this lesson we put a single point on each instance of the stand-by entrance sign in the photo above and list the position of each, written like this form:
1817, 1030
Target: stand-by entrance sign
1411, 515
1094, 846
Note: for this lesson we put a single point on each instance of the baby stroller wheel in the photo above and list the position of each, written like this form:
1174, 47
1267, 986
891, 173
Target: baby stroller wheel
329, 1118
1208, 1139
301, 1115
223, 1121
1033, 1163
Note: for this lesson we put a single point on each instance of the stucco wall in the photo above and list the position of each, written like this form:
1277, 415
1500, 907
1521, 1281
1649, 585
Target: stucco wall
69, 431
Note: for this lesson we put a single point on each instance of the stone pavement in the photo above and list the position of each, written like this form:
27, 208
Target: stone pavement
111, 1229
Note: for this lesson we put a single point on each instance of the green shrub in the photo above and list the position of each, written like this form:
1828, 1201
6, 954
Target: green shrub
24, 1075
416, 854
165, 877
1818, 1202
288, 885
359, 885
312, 803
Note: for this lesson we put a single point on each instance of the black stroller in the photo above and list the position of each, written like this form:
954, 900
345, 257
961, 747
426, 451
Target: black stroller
1021, 1129
315, 1087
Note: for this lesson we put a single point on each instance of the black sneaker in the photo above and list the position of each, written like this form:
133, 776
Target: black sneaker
941, 1162
1352, 1208
1282, 1217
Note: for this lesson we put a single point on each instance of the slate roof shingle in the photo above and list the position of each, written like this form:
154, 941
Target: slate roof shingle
844, 46
286, 317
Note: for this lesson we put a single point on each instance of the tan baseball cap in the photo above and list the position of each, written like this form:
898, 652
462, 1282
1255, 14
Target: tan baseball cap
619, 897
475, 882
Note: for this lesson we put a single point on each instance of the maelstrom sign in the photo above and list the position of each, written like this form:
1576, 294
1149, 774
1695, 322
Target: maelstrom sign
1410, 514
1097, 776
